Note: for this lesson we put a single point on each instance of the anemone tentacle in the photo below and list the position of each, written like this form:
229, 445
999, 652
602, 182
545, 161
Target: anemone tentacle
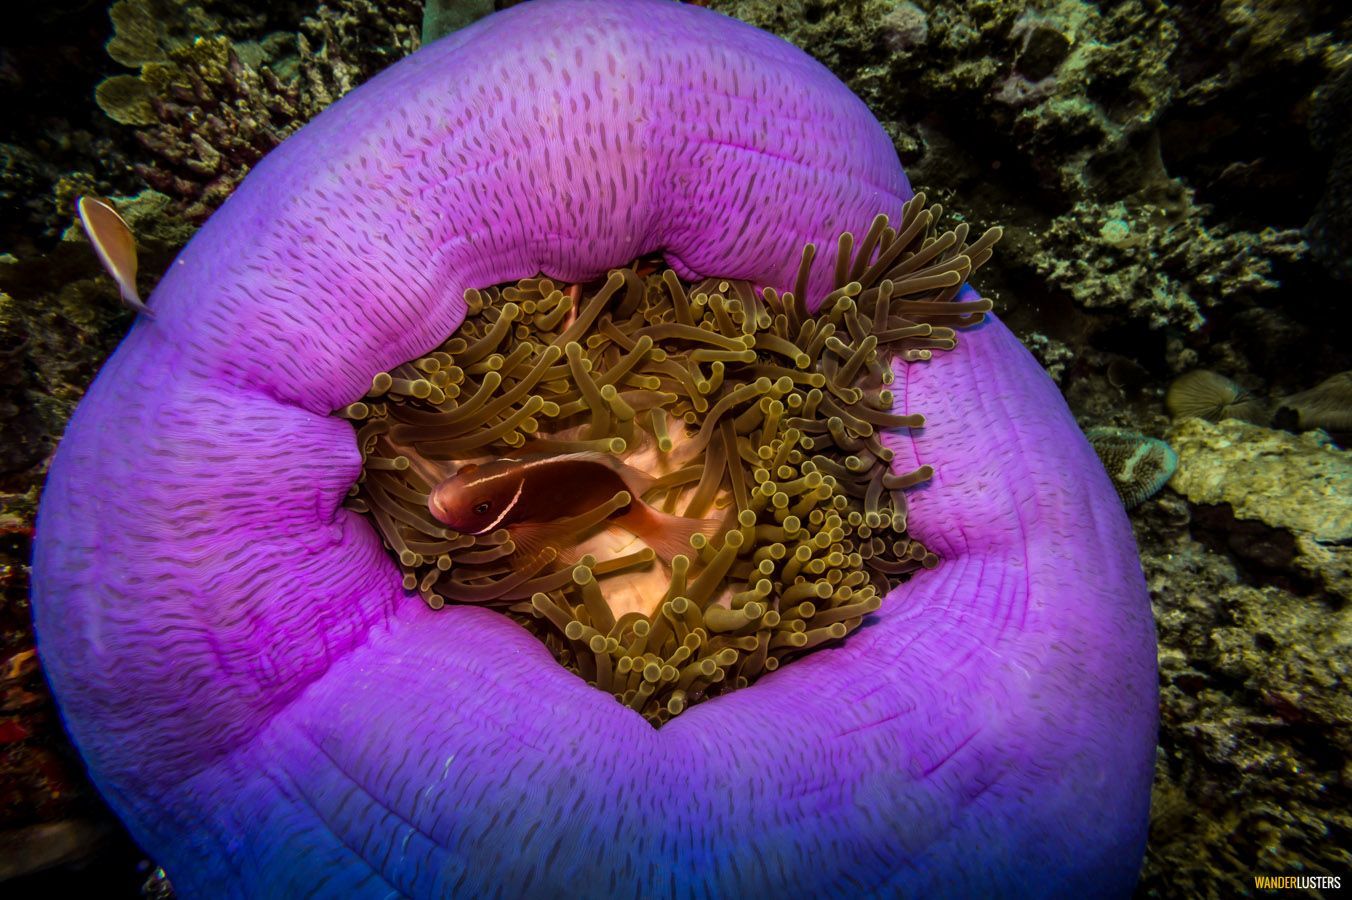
271, 712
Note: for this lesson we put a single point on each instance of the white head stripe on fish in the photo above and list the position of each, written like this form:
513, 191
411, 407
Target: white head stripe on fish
510, 506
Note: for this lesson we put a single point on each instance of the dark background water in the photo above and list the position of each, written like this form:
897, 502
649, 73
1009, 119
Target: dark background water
1175, 181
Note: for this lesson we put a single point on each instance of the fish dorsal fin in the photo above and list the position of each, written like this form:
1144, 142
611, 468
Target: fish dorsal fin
467, 470
524, 453
115, 246
587, 456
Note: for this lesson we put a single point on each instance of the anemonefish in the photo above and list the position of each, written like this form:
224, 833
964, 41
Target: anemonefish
529, 496
114, 245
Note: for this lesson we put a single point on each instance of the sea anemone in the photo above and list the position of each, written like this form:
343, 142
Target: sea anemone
272, 712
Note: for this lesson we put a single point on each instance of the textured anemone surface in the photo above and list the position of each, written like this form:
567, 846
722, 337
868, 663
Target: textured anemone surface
271, 712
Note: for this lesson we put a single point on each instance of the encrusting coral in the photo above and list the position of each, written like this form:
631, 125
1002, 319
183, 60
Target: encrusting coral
761, 409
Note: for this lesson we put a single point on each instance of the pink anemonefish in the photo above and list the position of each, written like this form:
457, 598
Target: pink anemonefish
529, 496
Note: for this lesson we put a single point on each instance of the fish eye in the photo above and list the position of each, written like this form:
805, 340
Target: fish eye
481, 508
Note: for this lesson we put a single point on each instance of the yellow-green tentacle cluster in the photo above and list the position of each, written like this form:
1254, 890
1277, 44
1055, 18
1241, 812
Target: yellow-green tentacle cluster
775, 415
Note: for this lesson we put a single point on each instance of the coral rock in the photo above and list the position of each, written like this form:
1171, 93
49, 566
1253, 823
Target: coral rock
1298, 484
217, 118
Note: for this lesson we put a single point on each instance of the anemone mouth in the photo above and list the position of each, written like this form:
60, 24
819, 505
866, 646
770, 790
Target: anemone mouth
741, 405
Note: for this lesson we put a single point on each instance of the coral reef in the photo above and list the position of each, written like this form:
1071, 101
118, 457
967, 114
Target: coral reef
1157, 262
50, 57
1250, 573
213, 117
1114, 141
344, 43
63, 315
1155, 166
1253, 771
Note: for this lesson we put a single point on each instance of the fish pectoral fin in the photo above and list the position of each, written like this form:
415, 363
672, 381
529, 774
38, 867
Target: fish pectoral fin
533, 538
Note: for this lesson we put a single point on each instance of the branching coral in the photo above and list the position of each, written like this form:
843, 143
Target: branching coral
206, 115
215, 118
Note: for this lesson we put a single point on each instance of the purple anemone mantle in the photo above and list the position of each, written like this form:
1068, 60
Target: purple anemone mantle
272, 715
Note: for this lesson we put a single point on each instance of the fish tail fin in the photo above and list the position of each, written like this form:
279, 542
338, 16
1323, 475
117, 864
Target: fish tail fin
668, 535
132, 298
